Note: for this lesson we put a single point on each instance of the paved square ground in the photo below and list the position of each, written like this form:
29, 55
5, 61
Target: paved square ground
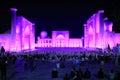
43, 70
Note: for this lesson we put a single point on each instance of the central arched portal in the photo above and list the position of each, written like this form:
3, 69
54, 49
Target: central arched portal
60, 41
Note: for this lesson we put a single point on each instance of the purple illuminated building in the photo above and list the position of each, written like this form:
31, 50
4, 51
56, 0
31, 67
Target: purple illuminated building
21, 36
98, 32
59, 39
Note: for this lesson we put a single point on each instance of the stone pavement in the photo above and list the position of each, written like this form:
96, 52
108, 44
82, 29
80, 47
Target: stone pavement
43, 71
10, 72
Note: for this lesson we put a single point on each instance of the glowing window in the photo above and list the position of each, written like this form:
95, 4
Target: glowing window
27, 30
17, 29
58, 44
90, 30
62, 45
60, 36
26, 47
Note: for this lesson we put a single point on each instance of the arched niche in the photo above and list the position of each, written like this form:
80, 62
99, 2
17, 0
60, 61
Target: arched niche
60, 36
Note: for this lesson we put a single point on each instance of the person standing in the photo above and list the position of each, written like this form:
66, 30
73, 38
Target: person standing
3, 67
31, 63
2, 50
87, 74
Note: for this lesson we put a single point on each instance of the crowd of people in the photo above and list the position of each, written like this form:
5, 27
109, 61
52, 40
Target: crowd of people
78, 60
86, 75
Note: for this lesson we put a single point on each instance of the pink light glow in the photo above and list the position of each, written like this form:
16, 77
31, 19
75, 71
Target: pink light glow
59, 39
97, 23
102, 39
27, 30
43, 34
13, 9
26, 46
90, 30
105, 27
110, 27
60, 36
17, 29
94, 35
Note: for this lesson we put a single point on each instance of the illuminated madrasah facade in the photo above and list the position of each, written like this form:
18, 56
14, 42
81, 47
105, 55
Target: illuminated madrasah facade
21, 36
59, 39
97, 34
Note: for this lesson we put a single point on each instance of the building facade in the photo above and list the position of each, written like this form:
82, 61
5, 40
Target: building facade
59, 39
21, 36
98, 32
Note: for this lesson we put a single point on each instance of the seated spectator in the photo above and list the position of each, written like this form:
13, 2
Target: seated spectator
87, 74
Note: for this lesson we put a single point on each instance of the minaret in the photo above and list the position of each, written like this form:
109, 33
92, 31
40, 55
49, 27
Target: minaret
13, 26
101, 14
85, 35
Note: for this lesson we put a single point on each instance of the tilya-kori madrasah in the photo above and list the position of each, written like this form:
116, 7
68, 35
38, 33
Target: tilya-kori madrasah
97, 34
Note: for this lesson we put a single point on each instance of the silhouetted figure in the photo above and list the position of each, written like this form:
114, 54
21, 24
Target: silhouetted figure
72, 73
14, 59
66, 77
111, 75
54, 73
117, 76
100, 74
109, 49
80, 73
119, 60
3, 65
78, 76
31, 63
26, 66
2, 50
62, 65
87, 74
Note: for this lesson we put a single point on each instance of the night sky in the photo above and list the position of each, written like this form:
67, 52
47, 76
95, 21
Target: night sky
59, 15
